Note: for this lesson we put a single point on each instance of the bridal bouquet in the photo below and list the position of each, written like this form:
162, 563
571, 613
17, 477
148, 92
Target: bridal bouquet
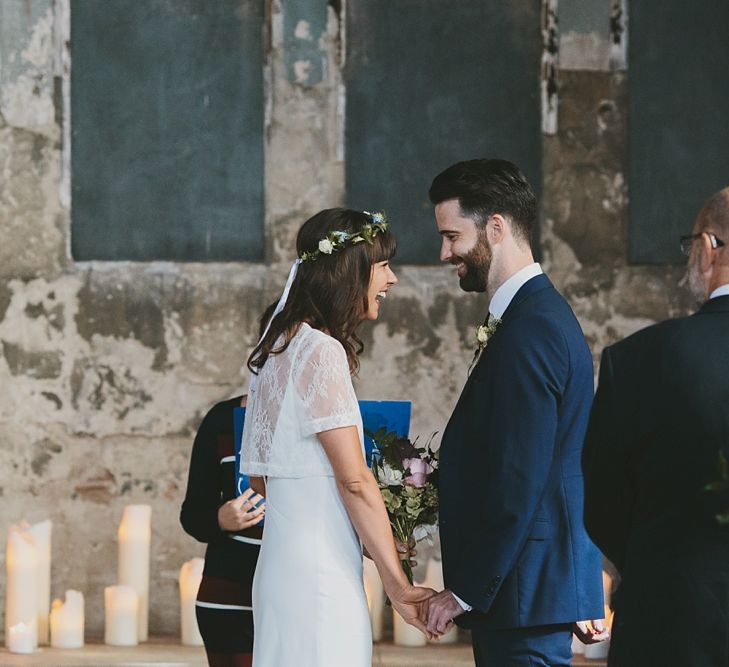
407, 474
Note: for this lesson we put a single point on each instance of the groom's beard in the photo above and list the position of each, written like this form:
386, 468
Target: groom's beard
477, 263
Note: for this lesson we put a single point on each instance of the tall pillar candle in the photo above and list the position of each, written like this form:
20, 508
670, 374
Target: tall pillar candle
21, 561
121, 604
135, 535
434, 580
405, 634
375, 598
190, 578
41, 533
67, 621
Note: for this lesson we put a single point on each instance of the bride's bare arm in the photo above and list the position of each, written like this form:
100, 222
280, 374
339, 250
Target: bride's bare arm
361, 496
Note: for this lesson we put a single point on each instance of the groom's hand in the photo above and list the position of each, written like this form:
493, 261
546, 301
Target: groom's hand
591, 632
442, 609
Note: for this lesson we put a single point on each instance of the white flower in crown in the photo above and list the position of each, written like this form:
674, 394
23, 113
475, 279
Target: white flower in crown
377, 217
326, 246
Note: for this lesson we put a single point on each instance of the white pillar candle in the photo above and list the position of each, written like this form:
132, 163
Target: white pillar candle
578, 648
405, 634
21, 561
21, 637
190, 577
135, 535
41, 533
121, 604
375, 598
434, 580
67, 621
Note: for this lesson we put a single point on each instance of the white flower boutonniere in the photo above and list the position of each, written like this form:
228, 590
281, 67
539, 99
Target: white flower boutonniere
485, 331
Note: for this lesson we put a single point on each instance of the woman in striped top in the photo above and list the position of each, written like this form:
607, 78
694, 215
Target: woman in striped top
213, 512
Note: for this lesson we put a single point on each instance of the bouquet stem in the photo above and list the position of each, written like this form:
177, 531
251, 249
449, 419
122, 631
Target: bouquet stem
403, 532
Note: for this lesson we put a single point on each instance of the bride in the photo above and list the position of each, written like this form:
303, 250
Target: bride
303, 435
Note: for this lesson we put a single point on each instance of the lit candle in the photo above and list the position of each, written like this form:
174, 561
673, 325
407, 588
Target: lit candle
190, 577
21, 560
41, 534
121, 605
405, 634
135, 534
375, 597
434, 580
21, 637
67, 621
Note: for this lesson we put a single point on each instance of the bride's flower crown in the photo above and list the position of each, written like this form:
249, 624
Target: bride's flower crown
338, 240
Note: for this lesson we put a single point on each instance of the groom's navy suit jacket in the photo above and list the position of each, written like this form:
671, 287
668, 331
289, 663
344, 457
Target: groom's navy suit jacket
511, 489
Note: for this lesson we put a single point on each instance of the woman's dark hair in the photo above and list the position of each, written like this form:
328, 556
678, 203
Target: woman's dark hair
329, 292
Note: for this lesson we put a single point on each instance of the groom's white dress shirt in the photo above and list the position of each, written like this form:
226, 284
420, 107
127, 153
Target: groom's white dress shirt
503, 296
722, 290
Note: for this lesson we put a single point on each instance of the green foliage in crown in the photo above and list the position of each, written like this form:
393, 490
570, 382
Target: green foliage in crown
338, 240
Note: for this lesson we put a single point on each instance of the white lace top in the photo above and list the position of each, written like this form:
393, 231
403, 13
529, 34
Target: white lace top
300, 392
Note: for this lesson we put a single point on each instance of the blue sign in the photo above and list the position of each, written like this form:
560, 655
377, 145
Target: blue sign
391, 415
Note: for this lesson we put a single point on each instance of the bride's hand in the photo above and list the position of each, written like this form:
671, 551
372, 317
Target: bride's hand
412, 604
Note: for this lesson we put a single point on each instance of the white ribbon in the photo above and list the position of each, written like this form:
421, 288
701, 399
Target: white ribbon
279, 307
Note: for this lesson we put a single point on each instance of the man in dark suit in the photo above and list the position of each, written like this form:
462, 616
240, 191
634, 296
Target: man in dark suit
519, 568
658, 424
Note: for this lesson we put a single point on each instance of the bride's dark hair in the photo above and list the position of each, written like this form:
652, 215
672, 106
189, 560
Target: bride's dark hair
329, 292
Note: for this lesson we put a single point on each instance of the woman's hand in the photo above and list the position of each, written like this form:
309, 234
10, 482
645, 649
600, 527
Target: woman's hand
241, 512
412, 604
407, 551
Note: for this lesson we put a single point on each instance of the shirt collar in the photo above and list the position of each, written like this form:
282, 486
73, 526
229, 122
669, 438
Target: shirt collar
722, 290
507, 291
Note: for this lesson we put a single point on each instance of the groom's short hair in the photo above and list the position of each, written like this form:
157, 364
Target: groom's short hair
484, 187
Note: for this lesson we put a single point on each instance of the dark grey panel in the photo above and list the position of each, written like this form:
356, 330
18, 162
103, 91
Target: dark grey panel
167, 129
678, 119
430, 83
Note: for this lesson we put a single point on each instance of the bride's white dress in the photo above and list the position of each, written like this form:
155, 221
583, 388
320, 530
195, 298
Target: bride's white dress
309, 604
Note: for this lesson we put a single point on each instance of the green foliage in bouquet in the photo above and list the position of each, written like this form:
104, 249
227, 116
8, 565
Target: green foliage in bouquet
407, 474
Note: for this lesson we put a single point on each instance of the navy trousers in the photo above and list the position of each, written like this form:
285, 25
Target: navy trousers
542, 646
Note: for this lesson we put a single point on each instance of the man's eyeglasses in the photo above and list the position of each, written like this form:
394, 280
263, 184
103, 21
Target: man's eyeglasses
687, 242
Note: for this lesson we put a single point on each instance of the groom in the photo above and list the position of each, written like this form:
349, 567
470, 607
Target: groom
518, 565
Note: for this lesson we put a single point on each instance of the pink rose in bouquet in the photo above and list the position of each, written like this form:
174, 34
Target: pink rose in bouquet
419, 471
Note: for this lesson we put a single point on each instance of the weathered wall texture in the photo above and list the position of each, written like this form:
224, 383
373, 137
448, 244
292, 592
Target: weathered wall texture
106, 369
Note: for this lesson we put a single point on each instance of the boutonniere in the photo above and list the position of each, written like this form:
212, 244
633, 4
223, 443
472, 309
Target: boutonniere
485, 331
483, 336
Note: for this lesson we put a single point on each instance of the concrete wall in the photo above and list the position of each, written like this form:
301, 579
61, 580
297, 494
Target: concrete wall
107, 368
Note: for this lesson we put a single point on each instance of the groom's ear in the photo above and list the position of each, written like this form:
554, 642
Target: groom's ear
496, 228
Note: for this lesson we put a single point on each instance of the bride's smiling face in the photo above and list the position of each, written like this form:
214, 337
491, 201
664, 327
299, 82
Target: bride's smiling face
381, 279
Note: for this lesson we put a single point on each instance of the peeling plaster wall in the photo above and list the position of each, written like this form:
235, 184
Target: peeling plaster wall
106, 369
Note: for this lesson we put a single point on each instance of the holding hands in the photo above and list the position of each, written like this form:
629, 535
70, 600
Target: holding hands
242, 512
442, 609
